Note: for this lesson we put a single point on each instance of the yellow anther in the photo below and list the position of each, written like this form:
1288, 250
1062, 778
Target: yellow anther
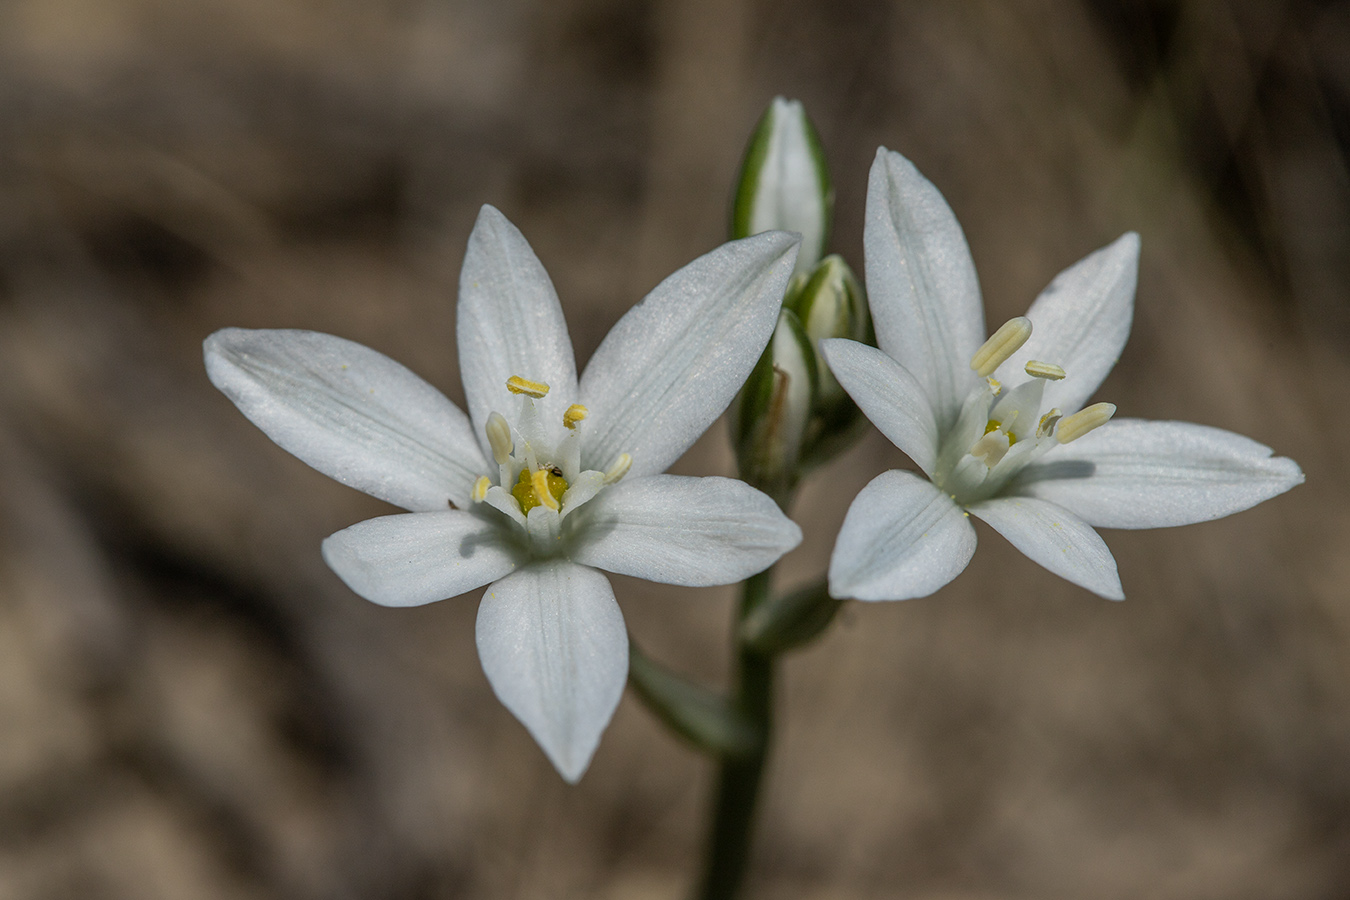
480, 488
517, 385
1047, 423
1002, 344
995, 425
541, 487
994, 384
499, 437
1038, 369
575, 413
619, 469
1071, 428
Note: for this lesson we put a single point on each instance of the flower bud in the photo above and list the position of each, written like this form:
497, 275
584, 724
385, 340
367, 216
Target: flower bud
784, 183
774, 409
830, 305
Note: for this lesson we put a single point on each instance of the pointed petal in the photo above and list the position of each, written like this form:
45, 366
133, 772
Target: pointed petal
921, 283
901, 538
353, 414
672, 364
888, 395
1132, 473
1081, 322
680, 530
510, 323
1057, 539
418, 558
552, 643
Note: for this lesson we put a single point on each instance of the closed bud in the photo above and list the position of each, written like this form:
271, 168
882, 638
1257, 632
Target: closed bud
774, 409
831, 305
784, 183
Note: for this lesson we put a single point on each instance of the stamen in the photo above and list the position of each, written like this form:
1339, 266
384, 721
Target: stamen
1038, 369
619, 469
1047, 423
543, 490
575, 413
1080, 423
480, 488
1002, 344
499, 437
990, 448
536, 389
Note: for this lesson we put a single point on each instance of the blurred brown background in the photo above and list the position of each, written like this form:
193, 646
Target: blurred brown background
193, 706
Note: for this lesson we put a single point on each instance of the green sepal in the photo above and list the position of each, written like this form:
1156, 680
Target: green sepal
790, 621
701, 716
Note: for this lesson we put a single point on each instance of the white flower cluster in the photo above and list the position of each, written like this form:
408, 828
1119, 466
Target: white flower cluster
551, 479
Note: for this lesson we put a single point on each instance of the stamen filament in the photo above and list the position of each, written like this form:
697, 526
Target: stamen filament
536, 389
1071, 428
1002, 344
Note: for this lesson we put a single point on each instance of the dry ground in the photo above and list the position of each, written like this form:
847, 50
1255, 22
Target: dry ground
192, 706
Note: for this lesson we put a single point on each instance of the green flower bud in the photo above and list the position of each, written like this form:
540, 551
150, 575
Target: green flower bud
784, 183
775, 409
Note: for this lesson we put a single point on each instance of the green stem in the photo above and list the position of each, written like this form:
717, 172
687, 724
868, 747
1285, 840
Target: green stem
738, 779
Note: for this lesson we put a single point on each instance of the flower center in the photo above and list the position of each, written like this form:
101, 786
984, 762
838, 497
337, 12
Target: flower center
1000, 431
537, 469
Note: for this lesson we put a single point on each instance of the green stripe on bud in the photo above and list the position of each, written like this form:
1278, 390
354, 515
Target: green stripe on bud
784, 182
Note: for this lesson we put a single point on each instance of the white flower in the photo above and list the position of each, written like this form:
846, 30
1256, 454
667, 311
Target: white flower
1016, 454
555, 478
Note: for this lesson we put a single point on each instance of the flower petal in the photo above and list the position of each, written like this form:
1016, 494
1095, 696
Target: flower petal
1132, 473
901, 538
418, 558
1081, 322
673, 362
888, 395
510, 323
1055, 538
921, 283
680, 530
353, 414
552, 643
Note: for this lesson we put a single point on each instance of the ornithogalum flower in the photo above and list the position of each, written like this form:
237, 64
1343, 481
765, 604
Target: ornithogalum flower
996, 424
554, 479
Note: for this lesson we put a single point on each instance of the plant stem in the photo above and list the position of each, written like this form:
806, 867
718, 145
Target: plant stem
738, 779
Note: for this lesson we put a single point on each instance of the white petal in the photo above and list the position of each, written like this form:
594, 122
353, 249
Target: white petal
901, 538
921, 283
887, 394
510, 323
1081, 322
552, 643
1132, 473
352, 413
418, 558
680, 530
672, 364
1057, 539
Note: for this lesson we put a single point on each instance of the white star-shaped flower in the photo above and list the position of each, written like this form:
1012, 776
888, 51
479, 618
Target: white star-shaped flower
996, 425
555, 478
